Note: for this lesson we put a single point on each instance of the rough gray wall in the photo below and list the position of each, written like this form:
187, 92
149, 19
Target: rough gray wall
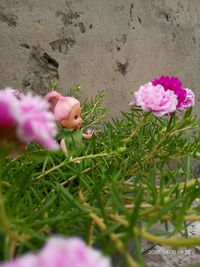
102, 44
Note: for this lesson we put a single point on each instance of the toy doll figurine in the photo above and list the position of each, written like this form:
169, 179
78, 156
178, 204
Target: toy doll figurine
67, 111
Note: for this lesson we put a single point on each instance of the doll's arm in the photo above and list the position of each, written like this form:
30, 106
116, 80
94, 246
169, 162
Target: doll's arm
63, 147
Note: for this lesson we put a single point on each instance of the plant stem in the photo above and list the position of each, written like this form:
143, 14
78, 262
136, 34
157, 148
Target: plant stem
135, 130
118, 243
4, 222
147, 157
182, 185
150, 154
6, 225
186, 218
75, 176
114, 237
91, 233
172, 241
91, 156
94, 107
51, 170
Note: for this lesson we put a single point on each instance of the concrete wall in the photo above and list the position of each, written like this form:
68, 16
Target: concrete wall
102, 44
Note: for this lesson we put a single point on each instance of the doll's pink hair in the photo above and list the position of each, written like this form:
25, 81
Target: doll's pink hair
61, 106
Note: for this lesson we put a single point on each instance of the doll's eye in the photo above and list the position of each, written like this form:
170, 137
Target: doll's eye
76, 117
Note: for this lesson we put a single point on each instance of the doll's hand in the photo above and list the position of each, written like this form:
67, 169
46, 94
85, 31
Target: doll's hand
90, 132
88, 135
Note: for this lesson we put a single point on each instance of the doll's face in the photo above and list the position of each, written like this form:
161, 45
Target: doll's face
74, 121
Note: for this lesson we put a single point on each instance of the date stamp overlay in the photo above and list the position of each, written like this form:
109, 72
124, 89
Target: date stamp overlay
170, 252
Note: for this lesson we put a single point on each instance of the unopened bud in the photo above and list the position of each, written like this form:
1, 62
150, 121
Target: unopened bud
121, 149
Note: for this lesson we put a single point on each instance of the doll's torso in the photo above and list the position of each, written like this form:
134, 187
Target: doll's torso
73, 140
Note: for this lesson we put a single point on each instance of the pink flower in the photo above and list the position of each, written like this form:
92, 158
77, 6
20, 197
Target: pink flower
9, 107
60, 252
189, 101
36, 123
156, 99
26, 118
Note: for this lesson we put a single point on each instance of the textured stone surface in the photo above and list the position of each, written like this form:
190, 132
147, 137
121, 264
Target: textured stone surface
159, 256
114, 45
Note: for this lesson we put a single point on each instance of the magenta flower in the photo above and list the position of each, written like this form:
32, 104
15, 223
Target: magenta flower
26, 119
174, 84
156, 99
60, 252
189, 101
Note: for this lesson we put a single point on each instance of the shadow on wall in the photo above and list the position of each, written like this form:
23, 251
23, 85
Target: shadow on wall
42, 71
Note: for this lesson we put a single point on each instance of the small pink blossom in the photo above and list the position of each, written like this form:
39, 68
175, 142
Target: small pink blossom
156, 99
60, 252
189, 101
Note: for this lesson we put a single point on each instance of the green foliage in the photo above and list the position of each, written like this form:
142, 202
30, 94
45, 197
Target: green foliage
135, 173
93, 111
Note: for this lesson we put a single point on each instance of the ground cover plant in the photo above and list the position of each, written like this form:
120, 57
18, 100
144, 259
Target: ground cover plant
136, 171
